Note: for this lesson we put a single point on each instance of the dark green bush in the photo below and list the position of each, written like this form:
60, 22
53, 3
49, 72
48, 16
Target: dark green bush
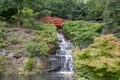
81, 32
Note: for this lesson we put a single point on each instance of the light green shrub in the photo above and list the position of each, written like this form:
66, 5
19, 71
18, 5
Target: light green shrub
3, 24
30, 64
101, 60
15, 40
2, 38
2, 64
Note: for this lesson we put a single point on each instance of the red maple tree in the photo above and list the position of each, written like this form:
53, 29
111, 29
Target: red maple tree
58, 22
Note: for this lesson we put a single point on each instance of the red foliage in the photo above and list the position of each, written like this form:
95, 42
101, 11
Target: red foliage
58, 22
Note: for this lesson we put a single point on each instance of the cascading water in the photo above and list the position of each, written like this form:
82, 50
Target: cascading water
66, 59
63, 59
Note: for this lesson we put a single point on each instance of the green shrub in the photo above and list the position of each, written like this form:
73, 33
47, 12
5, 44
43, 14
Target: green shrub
31, 24
2, 65
3, 45
37, 38
101, 60
28, 19
2, 35
37, 49
47, 34
39, 45
82, 78
3, 24
29, 65
81, 32
2, 38
15, 40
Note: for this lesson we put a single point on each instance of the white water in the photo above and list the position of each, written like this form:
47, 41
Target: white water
64, 54
63, 58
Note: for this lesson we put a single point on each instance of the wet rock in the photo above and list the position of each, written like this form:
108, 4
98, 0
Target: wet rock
53, 49
53, 59
54, 62
55, 69
60, 40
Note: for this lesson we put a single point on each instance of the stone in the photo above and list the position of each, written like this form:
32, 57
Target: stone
3, 52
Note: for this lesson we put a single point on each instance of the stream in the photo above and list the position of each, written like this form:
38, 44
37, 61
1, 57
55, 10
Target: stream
61, 64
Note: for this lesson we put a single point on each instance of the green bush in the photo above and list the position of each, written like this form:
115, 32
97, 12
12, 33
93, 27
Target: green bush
3, 45
2, 68
101, 60
29, 65
2, 35
37, 49
39, 45
3, 24
15, 40
33, 24
2, 38
48, 33
28, 19
81, 32
82, 78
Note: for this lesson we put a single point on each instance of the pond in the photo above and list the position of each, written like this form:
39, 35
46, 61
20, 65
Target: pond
46, 76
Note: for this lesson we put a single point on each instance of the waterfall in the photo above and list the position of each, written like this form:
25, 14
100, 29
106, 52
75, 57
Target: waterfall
63, 59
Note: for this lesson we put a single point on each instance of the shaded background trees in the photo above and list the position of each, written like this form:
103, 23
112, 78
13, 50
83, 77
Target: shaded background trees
95, 10
112, 18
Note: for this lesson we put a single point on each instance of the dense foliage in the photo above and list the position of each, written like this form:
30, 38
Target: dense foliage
81, 32
101, 60
68, 9
112, 18
3, 42
38, 46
